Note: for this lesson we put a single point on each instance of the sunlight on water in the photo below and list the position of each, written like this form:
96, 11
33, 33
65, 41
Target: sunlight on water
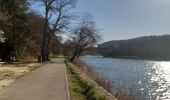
149, 79
160, 80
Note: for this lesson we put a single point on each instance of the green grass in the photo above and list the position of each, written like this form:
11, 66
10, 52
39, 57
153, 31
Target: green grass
79, 88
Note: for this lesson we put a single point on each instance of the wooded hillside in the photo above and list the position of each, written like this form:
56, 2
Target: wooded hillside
148, 47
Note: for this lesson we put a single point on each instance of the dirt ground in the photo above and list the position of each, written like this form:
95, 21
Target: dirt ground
9, 72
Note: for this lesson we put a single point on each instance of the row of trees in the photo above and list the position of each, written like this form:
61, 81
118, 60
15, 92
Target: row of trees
56, 20
22, 30
14, 27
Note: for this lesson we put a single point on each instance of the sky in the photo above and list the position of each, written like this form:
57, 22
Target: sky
125, 19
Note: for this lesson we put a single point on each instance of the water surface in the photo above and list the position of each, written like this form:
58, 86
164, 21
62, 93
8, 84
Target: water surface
150, 80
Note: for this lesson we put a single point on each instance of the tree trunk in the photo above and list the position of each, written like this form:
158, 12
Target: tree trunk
72, 58
48, 45
43, 53
75, 54
44, 49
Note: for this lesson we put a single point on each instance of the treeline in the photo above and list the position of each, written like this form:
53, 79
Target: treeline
148, 47
24, 32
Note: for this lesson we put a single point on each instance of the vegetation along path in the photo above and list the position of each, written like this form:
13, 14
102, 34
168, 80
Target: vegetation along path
46, 83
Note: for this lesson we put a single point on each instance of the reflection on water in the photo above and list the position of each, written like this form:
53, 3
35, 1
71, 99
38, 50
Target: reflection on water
160, 80
149, 79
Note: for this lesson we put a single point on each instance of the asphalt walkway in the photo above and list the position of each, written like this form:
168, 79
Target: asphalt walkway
45, 83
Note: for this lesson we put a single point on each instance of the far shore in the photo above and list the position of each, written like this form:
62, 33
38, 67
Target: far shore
138, 58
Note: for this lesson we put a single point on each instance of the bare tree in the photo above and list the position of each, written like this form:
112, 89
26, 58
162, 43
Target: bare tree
56, 20
84, 36
68, 48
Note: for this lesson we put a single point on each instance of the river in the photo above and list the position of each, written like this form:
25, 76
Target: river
148, 80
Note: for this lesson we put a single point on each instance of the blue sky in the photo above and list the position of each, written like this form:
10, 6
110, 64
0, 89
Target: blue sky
124, 19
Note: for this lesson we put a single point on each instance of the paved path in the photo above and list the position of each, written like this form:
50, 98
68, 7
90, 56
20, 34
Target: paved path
46, 83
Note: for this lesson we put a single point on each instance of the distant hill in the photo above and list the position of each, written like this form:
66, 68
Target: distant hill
147, 47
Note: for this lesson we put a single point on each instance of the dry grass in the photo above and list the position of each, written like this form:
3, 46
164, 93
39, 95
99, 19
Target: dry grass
9, 72
80, 88
120, 94
99, 79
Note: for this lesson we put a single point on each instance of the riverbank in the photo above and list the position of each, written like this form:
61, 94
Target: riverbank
9, 72
139, 58
97, 77
109, 69
78, 81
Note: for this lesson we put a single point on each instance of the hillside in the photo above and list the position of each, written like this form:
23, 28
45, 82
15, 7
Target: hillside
147, 47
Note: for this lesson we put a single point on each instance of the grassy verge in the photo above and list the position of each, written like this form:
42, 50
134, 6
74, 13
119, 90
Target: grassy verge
97, 77
81, 89
119, 94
